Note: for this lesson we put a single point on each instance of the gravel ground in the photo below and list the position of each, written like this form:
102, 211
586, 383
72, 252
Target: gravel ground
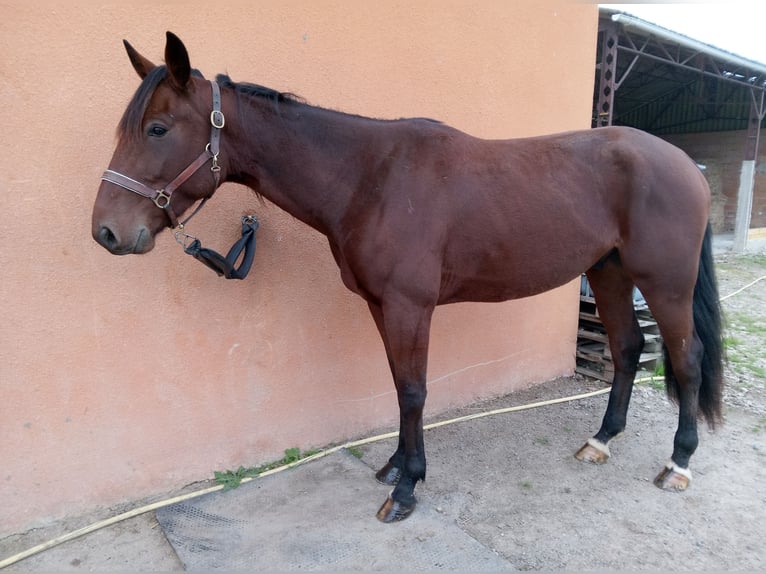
745, 318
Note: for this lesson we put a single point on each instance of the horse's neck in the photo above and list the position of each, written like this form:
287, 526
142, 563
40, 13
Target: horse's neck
306, 161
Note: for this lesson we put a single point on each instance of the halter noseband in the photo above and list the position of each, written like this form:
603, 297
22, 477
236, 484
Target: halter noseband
223, 266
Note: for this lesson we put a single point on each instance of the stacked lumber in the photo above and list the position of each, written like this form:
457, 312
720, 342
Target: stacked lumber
593, 356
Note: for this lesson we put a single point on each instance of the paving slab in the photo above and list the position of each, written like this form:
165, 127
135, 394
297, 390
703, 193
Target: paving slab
317, 516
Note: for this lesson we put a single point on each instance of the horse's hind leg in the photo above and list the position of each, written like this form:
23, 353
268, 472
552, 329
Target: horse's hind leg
683, 298
690, 323
613, 291
683, 356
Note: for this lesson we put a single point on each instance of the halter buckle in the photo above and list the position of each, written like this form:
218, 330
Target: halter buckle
217, 119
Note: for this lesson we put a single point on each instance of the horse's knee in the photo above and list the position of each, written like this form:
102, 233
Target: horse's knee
412, 396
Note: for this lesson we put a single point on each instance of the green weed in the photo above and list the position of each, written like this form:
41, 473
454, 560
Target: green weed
730, 342
753, 325
355, 451
657, 384
233, 478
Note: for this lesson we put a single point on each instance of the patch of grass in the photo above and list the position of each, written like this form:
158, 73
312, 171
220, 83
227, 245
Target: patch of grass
657, 384
233, 478
760, 426
756, 259
526, 485
748, 323
542, 441
742, 328
730, 342
355, 451
736, 267
741, 360
757, 370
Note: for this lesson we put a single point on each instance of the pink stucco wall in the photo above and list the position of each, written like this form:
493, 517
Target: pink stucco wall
122, 378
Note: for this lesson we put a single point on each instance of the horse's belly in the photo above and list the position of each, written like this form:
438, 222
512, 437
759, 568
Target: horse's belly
509, 281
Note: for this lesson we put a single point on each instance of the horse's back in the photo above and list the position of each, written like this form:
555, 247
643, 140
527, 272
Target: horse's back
540, 211
491, 220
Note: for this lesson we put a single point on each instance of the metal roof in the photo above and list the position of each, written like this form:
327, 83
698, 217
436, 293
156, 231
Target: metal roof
668, 83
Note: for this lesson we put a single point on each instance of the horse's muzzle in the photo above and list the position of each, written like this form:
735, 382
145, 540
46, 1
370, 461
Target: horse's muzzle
141, 242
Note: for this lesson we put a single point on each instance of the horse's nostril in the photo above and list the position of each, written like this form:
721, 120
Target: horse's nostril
107, 238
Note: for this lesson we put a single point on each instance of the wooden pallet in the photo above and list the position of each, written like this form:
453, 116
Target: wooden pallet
593, 356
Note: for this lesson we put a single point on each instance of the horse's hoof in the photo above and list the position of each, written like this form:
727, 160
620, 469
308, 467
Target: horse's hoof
593, 451
393, 511
673, 477
389, 475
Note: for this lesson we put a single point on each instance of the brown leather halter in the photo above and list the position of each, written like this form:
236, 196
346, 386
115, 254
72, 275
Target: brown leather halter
223, 266
162, 197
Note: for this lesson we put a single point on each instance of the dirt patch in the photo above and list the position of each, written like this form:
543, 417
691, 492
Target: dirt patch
510, 481
745, 317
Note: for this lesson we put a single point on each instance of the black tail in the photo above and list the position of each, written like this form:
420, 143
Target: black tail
708, 324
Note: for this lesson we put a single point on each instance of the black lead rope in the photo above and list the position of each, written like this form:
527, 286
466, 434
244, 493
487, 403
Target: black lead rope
225, 266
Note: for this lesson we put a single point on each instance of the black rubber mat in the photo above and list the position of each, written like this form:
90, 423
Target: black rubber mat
318, 516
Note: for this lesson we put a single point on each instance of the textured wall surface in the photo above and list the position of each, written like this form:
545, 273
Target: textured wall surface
722, 153
127, 377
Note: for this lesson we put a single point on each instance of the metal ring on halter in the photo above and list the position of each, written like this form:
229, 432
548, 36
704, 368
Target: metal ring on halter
162, 199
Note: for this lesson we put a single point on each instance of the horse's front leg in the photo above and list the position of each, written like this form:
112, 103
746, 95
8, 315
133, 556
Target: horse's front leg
405, 328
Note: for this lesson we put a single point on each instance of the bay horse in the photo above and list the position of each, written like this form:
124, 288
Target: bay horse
419, 214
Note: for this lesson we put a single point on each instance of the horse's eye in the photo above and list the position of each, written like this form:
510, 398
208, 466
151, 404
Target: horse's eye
157, 131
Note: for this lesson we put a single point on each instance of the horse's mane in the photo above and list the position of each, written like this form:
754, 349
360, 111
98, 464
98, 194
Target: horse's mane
254, 90
131, 123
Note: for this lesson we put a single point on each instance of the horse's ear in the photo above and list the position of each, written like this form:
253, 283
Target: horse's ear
177, 60
140, 64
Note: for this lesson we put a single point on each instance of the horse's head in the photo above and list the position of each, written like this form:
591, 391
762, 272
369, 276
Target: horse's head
166, 153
